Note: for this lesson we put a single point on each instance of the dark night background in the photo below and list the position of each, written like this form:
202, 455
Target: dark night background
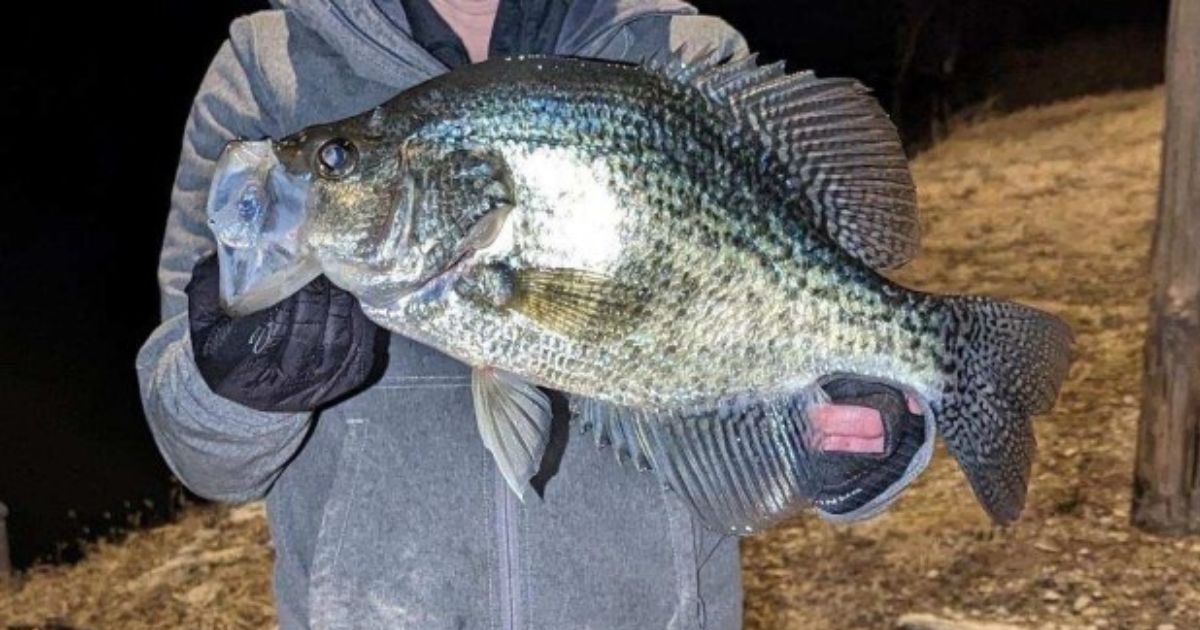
95, 97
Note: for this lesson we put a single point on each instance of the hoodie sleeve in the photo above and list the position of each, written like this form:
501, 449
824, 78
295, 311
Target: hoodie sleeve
219, 449
701, 31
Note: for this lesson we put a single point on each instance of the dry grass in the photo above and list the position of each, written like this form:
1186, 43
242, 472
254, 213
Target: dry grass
211, 570
1052, 206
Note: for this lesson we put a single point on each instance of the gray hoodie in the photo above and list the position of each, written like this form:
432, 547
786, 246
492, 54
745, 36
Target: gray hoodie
386, 510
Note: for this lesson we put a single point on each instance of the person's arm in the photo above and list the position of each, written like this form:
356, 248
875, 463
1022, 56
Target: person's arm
218, 448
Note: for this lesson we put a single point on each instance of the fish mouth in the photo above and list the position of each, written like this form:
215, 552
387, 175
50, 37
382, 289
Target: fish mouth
856, 486
256, 211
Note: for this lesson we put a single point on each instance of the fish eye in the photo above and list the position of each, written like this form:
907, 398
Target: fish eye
336, 158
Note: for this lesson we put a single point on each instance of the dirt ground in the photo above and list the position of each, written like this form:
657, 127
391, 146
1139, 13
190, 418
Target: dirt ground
1051, 206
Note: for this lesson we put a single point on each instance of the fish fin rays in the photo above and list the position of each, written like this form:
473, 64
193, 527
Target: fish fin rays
1008, 362
576, 302
514, 419
741, 463
842, 154
839, 152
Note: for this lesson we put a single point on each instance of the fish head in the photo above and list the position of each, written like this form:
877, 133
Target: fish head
350, 199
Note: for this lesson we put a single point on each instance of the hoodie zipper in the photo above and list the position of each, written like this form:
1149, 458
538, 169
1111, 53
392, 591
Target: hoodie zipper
508, 556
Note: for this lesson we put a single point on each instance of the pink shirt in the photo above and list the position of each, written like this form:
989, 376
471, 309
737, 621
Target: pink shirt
472, 21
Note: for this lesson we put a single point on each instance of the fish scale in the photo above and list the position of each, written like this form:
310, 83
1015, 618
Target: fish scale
689, 250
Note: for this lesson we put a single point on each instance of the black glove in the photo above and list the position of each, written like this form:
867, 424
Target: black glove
870, 474
888, 401
310, 349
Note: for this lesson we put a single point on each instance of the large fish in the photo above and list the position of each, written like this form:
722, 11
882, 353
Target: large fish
689, 250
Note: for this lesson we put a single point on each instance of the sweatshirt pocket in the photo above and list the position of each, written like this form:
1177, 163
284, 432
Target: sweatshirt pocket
404, 541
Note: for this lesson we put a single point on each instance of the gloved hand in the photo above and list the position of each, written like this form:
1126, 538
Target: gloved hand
859, 410
868, 435
311, 349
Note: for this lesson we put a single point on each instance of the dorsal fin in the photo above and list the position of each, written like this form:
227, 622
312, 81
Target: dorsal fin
839, 152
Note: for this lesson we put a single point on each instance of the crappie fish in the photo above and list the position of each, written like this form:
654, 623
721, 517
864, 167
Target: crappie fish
688, 250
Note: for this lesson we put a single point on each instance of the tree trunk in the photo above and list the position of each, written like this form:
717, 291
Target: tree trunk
1166, 492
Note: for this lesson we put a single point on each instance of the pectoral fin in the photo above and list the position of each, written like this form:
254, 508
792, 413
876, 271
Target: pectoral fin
577, 303
514, 423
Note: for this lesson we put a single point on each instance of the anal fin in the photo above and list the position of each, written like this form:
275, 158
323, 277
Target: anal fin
743, 463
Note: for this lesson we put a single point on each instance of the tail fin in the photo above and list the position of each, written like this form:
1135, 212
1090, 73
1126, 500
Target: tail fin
1006, 363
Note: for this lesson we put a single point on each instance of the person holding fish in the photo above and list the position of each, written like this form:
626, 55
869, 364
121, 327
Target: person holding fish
501, 220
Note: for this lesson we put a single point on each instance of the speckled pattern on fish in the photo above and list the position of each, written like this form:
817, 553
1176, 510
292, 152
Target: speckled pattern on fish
670, 244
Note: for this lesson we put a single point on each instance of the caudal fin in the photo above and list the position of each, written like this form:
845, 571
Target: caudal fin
1006, 363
